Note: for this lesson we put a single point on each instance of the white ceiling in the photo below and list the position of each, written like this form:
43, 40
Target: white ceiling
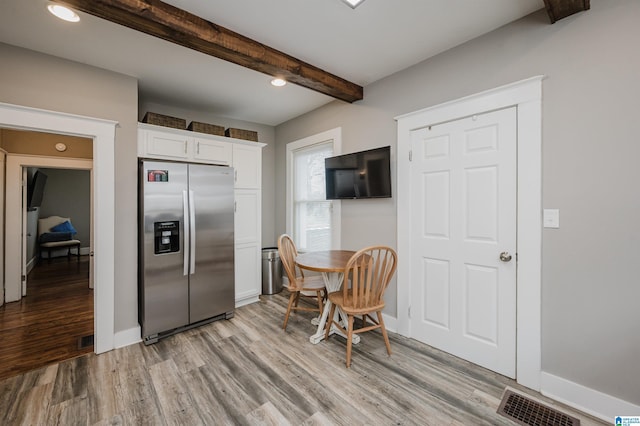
362, 45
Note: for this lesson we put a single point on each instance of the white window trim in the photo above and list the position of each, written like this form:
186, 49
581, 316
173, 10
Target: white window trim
336, 136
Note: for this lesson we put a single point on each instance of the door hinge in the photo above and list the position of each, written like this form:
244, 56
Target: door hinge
409, 312
410, 155
23, 278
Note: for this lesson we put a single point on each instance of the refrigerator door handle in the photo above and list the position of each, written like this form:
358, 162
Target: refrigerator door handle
186, 229
192, 231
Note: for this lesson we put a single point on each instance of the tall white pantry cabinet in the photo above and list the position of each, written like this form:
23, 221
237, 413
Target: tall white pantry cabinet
246, 158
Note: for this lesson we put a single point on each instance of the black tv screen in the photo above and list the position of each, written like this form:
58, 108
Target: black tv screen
35, 190
365, 174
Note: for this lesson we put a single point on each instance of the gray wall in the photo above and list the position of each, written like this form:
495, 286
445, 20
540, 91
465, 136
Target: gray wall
266, 134
68, 194
42, 81
591, 100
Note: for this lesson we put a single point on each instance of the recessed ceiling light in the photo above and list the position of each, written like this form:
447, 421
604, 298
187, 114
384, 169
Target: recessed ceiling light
278, 82
353, 3
63, 12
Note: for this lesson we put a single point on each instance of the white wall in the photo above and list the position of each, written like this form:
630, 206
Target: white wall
32, 79
591, 99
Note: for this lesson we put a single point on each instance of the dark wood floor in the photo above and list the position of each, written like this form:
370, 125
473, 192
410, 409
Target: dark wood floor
44, 327
248, 371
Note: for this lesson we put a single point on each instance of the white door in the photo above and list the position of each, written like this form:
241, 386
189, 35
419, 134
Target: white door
463, 269
23, 247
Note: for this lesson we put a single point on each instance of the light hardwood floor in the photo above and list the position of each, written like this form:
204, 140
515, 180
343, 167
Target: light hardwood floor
248, 371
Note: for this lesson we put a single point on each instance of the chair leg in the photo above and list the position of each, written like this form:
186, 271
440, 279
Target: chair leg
384, 332
286, 316
349, 339
320, 305
329, 321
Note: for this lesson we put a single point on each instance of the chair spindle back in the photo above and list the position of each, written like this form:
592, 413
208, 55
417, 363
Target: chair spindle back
288, 252
370, 271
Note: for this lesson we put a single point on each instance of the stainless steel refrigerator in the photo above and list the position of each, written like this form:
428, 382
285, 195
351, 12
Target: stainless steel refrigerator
186, 246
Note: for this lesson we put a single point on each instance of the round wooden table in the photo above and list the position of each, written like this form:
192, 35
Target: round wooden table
331, 264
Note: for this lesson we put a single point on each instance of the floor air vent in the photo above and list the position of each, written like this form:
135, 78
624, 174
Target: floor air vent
85, 341
528, 412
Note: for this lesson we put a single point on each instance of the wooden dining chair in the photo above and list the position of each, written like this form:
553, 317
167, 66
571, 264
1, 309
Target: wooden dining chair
298, 285
369, 271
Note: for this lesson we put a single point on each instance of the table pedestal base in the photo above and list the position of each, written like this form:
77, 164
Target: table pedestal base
332, 281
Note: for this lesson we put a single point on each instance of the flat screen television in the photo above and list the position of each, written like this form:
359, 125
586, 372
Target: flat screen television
365, 174
35, 190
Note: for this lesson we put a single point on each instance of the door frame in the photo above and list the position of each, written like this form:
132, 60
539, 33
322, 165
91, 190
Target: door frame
526, 95
103, 205
17, 164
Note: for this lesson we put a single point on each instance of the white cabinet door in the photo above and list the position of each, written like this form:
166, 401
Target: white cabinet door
210, 151
247, 216
167, 145
247, 160
248, 270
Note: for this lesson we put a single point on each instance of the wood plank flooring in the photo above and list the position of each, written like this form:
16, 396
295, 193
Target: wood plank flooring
248, 371
43, 328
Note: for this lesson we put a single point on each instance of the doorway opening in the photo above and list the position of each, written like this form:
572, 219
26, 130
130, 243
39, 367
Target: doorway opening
102, 132
56, 306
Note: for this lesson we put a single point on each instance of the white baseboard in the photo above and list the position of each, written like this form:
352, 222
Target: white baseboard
31, 263
85, 251
590, 401
390, 323
127, 337
247, 300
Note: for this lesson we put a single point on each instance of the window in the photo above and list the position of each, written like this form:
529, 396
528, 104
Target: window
312, 221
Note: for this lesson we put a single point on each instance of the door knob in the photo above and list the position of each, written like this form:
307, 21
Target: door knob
505, 256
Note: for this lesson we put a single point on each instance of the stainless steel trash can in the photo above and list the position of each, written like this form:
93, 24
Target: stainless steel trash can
271, 271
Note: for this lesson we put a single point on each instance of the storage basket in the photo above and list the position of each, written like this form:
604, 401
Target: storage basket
211, 129
248, 135
164, 120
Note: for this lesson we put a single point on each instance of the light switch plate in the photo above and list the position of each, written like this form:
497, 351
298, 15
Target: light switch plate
551, 218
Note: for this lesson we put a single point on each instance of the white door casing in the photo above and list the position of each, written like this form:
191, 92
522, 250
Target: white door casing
463, 216
526, 96
2, 196
103, 134
23, 224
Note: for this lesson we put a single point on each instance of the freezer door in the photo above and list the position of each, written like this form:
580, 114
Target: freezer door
164, 281
211, 271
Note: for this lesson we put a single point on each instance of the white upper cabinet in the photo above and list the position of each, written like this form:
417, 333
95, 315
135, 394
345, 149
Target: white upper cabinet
183, 145
247, 160
164, 145
212, 151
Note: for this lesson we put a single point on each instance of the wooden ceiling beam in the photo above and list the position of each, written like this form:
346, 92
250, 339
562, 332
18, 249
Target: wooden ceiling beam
558, 9
178, 26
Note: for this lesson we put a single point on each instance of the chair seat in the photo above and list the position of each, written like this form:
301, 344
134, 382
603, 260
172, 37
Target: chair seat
306, 283
60, 243
337, 298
